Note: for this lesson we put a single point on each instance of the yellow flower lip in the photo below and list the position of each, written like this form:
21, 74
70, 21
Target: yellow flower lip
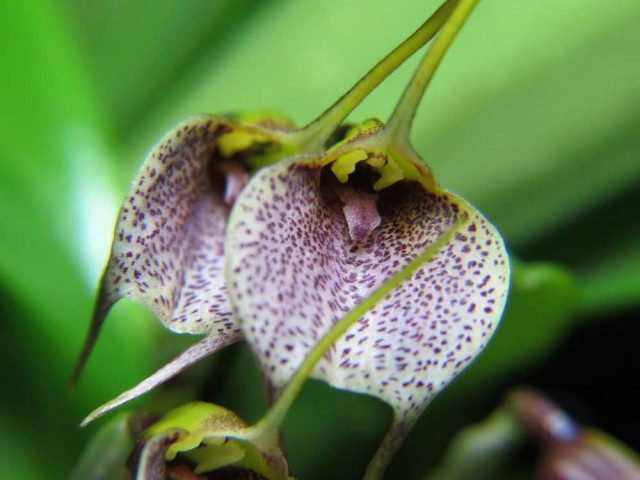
367, 143
261, 137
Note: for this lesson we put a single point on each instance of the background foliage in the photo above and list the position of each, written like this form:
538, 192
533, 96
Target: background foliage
534, 118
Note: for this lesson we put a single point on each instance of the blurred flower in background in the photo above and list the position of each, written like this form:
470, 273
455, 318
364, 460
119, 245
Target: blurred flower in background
499, 446
540, 131
569, 451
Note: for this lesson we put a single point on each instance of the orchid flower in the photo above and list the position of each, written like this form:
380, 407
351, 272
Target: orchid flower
315, 245
168, 251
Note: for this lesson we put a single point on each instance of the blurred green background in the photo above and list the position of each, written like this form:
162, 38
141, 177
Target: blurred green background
534, 117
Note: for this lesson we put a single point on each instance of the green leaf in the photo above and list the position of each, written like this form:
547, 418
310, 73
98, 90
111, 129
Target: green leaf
481, 451
548, 117
54, 192
105, 457
137, 50
614, 282
605, 261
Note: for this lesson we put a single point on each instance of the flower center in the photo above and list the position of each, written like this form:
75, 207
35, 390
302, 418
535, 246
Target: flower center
356, 198
228, 178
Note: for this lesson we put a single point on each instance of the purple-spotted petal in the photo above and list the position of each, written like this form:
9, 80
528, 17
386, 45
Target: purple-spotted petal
294, 270
168, 247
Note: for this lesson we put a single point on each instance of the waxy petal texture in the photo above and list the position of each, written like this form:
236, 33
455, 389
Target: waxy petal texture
168, 247
294, 270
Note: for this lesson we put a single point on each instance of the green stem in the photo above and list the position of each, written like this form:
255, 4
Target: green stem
265, 431
313, 137
390, 443
399, 125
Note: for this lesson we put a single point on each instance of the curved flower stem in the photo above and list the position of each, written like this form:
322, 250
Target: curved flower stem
313, 137
265, 431
390, 443
399, 125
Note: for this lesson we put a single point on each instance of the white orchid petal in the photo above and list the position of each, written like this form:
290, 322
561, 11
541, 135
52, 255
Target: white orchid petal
294, 270
168, 246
